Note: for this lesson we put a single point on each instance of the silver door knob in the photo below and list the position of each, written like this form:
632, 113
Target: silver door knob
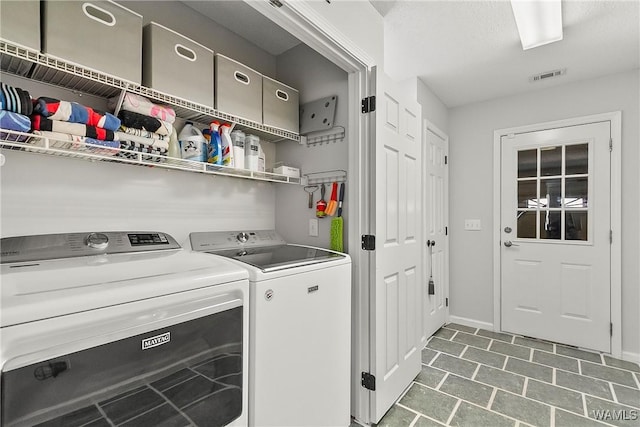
509, 243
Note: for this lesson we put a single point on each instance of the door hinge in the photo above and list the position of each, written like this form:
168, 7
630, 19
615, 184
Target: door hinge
611, 329
446, 160
446, 231
368, 104
276, 3
610, 236
446, 302
610, 144
368, 381
368, 242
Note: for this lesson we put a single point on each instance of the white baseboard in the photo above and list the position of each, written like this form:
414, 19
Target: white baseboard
631, 357
471, 322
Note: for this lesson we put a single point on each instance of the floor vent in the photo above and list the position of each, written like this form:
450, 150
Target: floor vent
548, 75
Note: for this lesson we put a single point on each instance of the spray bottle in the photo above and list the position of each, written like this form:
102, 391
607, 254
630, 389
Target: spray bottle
227, 145
215, 156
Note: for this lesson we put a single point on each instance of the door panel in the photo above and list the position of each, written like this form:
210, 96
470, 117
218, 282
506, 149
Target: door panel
555, 225
434, 307
397, 225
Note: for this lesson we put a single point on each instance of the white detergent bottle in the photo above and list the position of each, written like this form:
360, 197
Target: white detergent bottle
192, 143
251, 152
238, 137
227, 146
174, 146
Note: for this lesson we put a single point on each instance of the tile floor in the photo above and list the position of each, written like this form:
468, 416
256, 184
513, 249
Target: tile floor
473, 377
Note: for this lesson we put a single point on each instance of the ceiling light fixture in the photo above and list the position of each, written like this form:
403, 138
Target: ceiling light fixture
539, 21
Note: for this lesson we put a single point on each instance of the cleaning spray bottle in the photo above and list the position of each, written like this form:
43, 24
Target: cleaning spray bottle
227, 146
215, 156
192, 143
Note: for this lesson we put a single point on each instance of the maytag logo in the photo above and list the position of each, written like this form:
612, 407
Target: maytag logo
156, 341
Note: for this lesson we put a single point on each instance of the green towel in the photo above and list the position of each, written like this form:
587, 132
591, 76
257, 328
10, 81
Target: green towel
336, 234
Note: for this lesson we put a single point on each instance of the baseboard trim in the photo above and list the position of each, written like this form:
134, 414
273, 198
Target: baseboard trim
471, 322
631, 357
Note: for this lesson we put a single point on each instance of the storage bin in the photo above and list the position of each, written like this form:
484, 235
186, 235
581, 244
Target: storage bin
238, 89
99, 34
20, 23
176, 65
280, 105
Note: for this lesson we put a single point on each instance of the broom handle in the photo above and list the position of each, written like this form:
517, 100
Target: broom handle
341, 199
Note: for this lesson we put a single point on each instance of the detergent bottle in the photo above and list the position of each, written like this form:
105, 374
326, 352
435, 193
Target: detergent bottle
192, 143
251, 152
215, 155
237, 138
227, 146
174, 146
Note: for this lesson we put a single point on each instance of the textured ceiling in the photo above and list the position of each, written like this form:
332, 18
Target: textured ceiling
469, 51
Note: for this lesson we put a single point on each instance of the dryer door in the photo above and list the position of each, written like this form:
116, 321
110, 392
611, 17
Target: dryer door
188, 372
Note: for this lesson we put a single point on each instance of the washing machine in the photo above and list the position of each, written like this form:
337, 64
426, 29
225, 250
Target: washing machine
299, 327
121, 328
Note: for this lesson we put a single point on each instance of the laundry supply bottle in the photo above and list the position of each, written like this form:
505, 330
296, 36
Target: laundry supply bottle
238, 138
262, 160
251, 152
192, 143
227, 146
174, 146
215, 156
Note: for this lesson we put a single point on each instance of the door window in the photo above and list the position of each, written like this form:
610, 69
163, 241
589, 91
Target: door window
553, 193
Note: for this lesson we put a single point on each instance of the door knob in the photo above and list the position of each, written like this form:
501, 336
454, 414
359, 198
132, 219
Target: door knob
509, 243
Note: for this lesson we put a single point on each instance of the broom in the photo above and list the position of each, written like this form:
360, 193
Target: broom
337, 225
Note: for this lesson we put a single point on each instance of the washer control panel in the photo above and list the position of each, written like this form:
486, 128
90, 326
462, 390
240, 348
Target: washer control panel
69, 245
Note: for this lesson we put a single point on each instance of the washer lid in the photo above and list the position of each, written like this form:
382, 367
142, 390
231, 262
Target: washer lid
274, 258
36, 290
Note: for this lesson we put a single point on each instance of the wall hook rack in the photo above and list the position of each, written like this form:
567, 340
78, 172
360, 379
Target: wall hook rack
337, 133
325, 177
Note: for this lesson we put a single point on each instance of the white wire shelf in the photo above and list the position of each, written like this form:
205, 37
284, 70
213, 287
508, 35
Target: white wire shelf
28, 142
43, 68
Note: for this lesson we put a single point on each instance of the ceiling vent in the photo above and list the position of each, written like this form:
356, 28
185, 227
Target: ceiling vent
548, 75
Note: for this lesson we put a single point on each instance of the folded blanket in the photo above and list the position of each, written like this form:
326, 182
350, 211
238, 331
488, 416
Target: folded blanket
77, 142
15, 99
148, 123
150, 142
139, 104
73, 112
14, 121
41, 123
143, 133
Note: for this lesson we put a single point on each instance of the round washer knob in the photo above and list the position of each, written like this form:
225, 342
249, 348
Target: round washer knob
97, 241
242, 237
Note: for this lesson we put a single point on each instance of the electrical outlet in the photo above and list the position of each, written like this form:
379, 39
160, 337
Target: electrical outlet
313, 227
472, 225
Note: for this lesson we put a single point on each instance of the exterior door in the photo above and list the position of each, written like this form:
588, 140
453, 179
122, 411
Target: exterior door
555, 235
435, 213
397, 226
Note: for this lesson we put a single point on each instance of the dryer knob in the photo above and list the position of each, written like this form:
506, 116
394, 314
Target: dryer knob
242, 237
97, 241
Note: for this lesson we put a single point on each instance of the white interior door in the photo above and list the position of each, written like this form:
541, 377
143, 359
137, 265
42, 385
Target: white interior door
436, 236
397, 225
555, 235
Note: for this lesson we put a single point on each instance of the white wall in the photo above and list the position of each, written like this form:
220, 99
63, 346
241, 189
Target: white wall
191, 24
471, 186
316, 78
433, 109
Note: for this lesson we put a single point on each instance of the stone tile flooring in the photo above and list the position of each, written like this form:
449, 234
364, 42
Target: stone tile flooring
472, 377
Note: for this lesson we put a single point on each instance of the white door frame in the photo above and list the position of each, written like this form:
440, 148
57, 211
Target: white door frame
616, 215
302, 21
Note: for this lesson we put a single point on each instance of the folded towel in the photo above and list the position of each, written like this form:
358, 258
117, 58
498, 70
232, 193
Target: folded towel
148, 123
14, 121
76, 142
139, 104
41, 123
142, 148
15, 99
151, 142
73, 112
143, 133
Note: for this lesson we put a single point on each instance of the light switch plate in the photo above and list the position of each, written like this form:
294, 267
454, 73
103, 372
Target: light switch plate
313, 227
472, 225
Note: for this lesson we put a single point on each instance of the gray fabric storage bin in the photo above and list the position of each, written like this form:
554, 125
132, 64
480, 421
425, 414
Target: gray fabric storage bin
238, 89
20, 23
280, 105
98, 34
176, 65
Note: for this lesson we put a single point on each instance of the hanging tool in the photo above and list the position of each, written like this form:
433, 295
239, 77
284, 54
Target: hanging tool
311, 189
333, 203
321, 205
432, 285
337, 226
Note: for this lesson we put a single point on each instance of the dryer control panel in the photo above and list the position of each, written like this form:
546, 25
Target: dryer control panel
69, 245
223, 240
